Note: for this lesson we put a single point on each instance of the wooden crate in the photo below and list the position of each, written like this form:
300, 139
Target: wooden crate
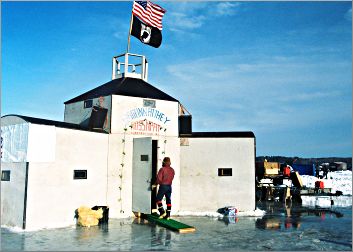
271, 168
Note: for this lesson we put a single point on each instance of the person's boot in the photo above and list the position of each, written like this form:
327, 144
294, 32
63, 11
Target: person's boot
162, 213
167, 216
169, 208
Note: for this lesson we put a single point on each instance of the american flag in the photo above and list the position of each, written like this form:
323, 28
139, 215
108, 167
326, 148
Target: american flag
149, 13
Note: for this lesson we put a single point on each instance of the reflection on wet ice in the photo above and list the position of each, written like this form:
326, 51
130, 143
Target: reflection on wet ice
287, 216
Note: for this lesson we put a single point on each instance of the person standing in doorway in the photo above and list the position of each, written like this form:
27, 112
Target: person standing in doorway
165, 178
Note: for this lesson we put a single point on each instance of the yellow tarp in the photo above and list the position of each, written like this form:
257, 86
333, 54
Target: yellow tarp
88, 217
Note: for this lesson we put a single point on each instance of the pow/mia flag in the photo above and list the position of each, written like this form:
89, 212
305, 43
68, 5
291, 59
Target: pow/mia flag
148, 35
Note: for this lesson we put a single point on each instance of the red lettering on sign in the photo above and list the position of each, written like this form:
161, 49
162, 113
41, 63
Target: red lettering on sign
145, 127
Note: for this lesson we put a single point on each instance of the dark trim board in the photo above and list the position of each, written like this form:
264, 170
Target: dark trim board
25, 198
230, 134
58, 124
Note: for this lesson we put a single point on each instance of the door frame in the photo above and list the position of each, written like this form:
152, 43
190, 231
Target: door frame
143, 197
154, 172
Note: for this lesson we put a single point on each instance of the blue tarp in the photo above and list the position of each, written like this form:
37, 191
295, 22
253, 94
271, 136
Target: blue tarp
305, 169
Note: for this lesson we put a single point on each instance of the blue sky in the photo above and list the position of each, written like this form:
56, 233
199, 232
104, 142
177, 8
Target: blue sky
280, 69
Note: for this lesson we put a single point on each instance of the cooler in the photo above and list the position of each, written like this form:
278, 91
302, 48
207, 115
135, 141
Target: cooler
286, 171
319, 184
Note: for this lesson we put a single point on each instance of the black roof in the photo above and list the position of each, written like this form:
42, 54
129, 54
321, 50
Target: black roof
124, 86
231, 134
59, 124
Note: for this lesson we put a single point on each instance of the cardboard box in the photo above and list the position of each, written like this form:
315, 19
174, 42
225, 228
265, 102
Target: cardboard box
271, 168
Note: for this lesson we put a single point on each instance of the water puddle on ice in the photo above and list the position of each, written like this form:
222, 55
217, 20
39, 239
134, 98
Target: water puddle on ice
295, 228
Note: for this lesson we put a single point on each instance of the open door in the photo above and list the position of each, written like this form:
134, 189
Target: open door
142, 175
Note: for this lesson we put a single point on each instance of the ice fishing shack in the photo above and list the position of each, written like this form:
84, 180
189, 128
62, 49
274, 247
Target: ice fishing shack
108, 150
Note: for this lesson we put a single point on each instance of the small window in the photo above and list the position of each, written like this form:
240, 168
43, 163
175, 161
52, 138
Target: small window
224, 171
144, 157
80, 174
88, 104
149, 103
5, 175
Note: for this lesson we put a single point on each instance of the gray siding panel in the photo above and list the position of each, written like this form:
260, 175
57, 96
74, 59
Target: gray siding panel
13, 195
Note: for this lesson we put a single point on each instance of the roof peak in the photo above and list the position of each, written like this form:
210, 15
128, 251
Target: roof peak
126, 86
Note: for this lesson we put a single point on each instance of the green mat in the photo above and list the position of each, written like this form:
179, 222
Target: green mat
170, 224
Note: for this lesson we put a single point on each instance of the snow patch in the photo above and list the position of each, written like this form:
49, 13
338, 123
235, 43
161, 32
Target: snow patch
326, 201
337, 181
256, 213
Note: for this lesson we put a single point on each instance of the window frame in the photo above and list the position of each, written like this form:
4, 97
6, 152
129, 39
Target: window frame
88, 103
225, 172
5, 175
75, 177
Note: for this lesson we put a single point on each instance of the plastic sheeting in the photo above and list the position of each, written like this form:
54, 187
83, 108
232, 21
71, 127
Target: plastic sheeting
28, 142
14, 142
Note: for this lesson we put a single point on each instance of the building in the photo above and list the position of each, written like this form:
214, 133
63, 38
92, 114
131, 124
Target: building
108, 150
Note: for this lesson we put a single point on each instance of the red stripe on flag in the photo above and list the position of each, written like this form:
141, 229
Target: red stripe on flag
152, 15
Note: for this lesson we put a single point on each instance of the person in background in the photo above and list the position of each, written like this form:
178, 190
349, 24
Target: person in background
317, 170
326, 170
165, 178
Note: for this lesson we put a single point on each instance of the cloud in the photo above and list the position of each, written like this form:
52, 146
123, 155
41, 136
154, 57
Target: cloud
120, 34
191, 16
184, 21
226, 9
348, 15
262, 93
310, 96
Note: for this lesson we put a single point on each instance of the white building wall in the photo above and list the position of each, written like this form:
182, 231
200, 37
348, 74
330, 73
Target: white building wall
165, 116
201, 187
119, 200
41, 143
27, 142
129, 110
172, 150
13, 194
53, 195
121, 204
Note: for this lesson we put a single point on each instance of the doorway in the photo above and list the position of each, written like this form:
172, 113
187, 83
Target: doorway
154, 172
144, 172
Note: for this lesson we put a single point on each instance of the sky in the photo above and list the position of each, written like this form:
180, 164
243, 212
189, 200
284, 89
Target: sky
282, 70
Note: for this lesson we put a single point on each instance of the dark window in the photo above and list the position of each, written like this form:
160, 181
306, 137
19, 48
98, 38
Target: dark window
149, 103
144, 157
5, 175
88, 104
80, 174
224, 171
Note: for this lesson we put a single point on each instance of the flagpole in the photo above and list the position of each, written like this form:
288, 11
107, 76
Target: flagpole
128, 37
